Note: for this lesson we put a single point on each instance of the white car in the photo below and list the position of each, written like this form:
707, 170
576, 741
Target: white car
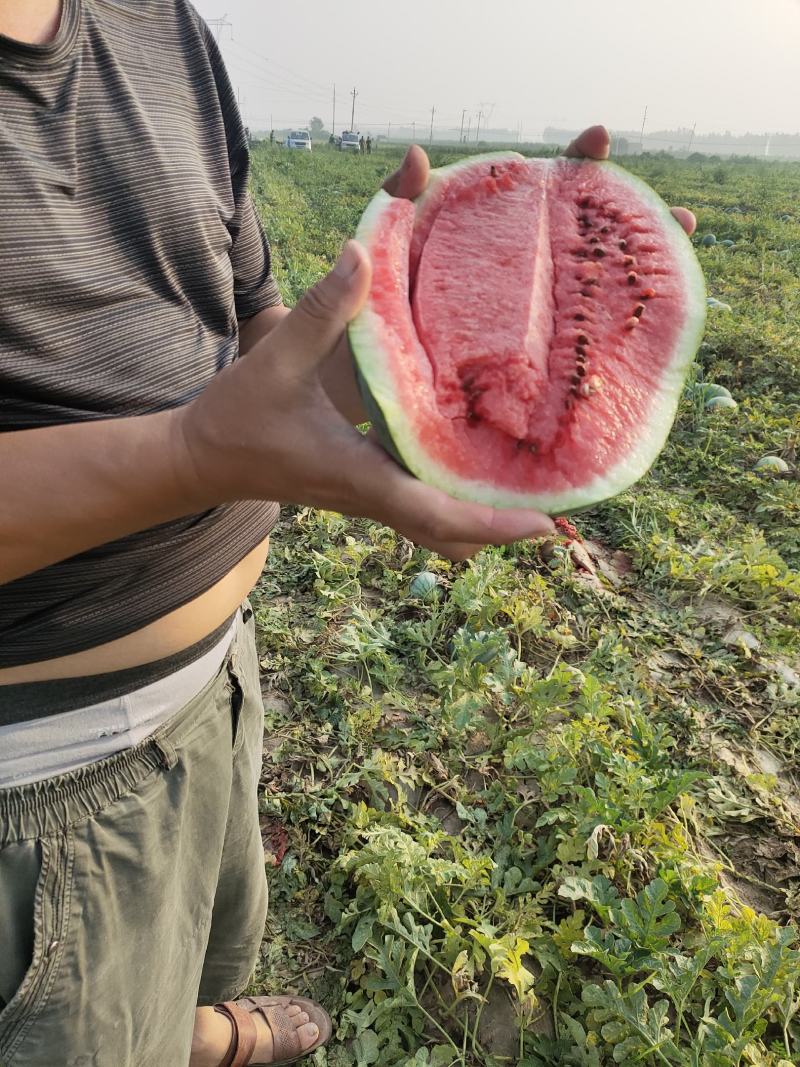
350, 142
299, 139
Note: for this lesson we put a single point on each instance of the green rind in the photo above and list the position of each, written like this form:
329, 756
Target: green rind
397, 436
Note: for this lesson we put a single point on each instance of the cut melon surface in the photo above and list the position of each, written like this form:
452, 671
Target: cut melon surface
528, 331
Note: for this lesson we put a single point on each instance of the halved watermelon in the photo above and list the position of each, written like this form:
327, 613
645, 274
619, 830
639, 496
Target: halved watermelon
528, 330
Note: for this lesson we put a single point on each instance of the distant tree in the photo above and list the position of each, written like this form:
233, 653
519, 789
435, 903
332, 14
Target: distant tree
317, 128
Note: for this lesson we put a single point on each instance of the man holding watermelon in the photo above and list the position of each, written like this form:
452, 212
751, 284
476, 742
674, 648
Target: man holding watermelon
155, 397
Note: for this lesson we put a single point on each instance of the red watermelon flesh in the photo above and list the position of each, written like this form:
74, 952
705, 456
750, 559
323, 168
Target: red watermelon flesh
528, 330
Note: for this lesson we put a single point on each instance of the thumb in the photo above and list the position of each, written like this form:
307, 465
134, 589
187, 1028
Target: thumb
317, 321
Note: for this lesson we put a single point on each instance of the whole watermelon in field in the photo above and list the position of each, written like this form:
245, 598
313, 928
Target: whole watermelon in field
528, 330
708, 390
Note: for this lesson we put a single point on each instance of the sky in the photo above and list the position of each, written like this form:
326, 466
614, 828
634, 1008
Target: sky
722, 64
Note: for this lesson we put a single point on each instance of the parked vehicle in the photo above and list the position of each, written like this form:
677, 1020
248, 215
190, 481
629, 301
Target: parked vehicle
349, 142
299, 139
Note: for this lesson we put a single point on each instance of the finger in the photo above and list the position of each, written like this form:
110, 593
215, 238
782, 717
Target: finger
685, 218
315, 325
452, 550
411, 178
429, 515
593, 143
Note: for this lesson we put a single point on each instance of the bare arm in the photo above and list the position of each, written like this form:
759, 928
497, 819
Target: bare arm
64, 489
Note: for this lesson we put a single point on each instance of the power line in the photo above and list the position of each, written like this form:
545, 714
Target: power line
219, 25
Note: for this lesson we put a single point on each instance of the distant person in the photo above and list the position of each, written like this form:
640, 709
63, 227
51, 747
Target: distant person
369, 145
361, 144
331, 140
272, 137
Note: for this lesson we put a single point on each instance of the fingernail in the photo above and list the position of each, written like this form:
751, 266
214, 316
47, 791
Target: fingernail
347, 263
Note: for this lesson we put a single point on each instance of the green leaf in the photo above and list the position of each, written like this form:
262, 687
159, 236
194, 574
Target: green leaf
612, 952
366, 1049
651, 919
598, 891
362, 932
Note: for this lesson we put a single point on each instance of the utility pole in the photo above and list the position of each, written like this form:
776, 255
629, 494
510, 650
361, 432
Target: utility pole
641, 135
389, 133
354, 94
433, 112
461, 137
414, 131
333, 120
221, 24
478, 131
469, 127
691, 138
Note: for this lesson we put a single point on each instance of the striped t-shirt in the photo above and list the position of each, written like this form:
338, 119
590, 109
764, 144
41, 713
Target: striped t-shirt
129, 248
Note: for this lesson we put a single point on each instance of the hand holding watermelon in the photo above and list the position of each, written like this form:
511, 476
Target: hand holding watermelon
267, 428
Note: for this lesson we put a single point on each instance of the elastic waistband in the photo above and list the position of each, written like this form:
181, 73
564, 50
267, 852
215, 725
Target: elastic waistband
54, 804
24, 701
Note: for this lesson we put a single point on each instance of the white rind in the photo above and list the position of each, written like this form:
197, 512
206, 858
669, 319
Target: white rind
368, 333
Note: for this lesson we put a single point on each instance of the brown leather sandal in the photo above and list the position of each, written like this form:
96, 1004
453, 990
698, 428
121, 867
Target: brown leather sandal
285, 1042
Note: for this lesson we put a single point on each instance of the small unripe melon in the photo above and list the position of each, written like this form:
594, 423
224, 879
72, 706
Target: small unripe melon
772, 463
708, 390
717, 403
424, 585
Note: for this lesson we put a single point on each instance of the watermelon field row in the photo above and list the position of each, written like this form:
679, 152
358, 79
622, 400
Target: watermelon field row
546, 811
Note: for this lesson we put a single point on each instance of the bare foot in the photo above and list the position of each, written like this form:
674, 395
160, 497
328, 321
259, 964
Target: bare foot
212, 1036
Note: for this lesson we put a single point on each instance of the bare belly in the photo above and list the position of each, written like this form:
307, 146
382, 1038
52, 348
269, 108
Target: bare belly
164, 637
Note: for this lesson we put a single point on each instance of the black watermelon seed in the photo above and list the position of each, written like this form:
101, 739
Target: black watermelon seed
648, 294
638, 310
623, 245
599, 253
632, 279
493, 171
582, 339
579, 317
580, 371
604, 229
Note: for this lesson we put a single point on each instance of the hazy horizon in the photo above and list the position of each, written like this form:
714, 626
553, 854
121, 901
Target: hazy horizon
721, 65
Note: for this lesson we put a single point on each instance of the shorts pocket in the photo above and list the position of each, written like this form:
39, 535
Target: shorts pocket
50, 919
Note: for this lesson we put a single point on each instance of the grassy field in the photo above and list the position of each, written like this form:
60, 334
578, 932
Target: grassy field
550, 815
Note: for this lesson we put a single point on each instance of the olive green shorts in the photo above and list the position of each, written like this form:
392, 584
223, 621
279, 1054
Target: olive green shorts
134, 889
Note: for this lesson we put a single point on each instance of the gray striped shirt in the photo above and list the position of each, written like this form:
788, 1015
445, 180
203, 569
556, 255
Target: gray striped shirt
129, 248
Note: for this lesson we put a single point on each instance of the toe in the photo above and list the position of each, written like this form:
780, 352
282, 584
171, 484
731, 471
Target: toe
300, 1019
308, 1034
293, 1010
